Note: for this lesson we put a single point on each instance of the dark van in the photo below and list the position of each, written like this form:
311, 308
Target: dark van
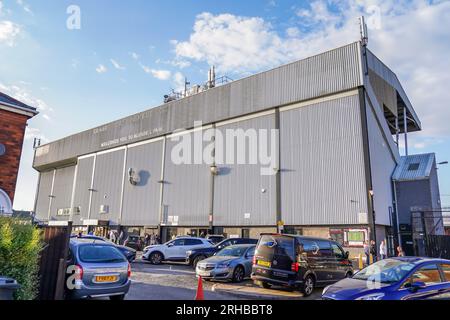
299, 262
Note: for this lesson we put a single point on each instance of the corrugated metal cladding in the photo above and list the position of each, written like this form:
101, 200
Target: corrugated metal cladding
141, 202
81, 192
382, 165
330, 72
108, 180
242, 195
186, 189
423, 162
62, 192
44, 193
322, 163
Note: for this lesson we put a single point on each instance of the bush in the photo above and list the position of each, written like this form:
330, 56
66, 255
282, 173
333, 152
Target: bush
20, 245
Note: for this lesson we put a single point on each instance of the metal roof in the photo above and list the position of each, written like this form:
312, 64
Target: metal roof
414, 167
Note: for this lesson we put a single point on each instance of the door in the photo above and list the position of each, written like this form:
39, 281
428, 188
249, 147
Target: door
172, 250
340, 264
430, 281
320, 259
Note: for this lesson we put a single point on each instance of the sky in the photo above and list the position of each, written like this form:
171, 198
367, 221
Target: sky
83, 63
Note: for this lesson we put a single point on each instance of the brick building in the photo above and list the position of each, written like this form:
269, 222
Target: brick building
13, 120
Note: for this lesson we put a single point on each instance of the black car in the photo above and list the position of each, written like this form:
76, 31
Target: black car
128, 252
299, 262
197, 255
215, 239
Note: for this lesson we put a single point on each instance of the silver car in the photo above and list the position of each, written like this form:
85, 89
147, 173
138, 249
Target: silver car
233, 263
96, 269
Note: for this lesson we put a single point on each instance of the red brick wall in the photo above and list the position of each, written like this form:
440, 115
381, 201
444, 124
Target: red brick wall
12, 130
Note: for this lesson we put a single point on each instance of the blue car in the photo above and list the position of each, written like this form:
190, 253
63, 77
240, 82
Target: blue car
405, 278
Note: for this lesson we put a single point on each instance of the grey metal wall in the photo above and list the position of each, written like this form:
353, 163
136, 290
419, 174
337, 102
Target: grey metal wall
43, 195
62, 191
81, 192
108, 180
141, 202
186, 190
382, 165
239, 199
330, 72
322, 163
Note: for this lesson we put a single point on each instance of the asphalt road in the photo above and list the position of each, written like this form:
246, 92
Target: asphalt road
178, 282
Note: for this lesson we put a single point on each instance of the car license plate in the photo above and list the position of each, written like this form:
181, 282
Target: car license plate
264, 264
106, 279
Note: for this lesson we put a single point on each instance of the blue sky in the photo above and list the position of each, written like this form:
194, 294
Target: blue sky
127, 55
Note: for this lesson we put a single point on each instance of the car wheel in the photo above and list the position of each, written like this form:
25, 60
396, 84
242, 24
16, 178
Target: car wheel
238, 274
156, 258
307, 287
265, 285
119, 297
197, 260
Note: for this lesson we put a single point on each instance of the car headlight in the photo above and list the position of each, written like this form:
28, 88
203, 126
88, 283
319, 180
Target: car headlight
373, 296
223, 265
188, 253
325, 289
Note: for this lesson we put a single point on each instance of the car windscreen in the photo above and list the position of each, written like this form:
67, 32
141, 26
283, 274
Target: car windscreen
385, 271
100, 254
232, 251
270, 245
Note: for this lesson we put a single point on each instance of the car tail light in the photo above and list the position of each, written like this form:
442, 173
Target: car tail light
294, 266
78, 272
129, 270
254, 260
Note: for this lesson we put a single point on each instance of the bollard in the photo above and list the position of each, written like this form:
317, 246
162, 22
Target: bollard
360, 262
370, 259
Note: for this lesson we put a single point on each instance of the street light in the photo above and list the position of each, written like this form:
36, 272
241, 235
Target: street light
442, 163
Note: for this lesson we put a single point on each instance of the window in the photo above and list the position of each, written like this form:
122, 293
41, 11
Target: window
428, 274
192, 242
251, 252
179, 242
413, 167
337, 251
446, 271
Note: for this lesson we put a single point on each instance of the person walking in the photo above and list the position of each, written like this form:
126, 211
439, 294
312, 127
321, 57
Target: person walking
400, 252
383, 250
367, 252
373, 250
147, 239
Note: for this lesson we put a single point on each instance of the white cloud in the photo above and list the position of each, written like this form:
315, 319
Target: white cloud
134, 55
9, 31
411, 37
24, 6
158, 74
117, 65
23, 95
31, 133
101, 69
179, 81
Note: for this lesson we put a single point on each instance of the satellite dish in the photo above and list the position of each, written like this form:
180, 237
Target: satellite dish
2, 149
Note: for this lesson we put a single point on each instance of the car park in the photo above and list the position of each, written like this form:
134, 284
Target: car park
401, 278
128, 252
194, 256
96, 269
233, 263
174, 250
299, 262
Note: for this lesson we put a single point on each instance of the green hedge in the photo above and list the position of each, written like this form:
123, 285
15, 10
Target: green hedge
20, 245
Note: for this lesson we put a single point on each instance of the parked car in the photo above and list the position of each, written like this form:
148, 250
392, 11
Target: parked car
233, 263
135, 242
128, 252
193, 257
403, 278
100, 270
174, 250
215, 238
299, 262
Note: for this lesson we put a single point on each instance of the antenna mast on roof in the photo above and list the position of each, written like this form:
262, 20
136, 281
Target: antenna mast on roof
363, 31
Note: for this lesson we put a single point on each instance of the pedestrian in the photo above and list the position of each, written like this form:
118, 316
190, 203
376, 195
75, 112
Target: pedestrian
373, 250
126, 241
157, 240
152, 240
147, 239
120, 238
383, 250
367, 251
400, 252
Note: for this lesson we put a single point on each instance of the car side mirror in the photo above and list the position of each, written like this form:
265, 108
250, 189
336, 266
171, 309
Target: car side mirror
416, 286
170, 245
